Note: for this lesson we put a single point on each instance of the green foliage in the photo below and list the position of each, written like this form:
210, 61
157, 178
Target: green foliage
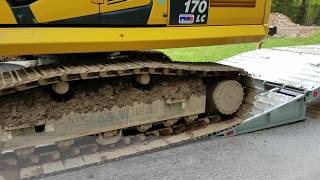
216, 53
313, 15
289, 8
300, 11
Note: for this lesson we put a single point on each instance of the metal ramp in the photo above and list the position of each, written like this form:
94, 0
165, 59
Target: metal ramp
286, 79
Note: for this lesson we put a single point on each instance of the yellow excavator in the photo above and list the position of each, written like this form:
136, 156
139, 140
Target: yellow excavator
84, 68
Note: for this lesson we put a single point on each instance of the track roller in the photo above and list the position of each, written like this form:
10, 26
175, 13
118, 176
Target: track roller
190, 119
169, 123
61, 87
141, 137
110, 137
143, 79
144, 127
126, 140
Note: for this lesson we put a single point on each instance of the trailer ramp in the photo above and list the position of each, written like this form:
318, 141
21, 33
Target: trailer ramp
286, 78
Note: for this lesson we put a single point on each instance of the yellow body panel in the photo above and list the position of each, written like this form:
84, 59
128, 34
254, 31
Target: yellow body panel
6, 15
159, 13
62, 9
237, 15
221, 12
267, 15
21, 41
123, 5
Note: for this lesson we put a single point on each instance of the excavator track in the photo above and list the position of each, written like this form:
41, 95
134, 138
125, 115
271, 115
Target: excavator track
29, 155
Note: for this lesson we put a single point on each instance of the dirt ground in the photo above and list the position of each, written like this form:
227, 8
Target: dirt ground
286, 28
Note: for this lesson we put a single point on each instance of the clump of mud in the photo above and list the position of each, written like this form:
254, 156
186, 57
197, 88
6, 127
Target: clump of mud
36, 105
7, 59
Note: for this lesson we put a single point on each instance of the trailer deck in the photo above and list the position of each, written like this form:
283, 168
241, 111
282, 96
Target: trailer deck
287, 79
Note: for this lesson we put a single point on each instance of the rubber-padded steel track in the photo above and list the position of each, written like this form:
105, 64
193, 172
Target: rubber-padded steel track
51, 159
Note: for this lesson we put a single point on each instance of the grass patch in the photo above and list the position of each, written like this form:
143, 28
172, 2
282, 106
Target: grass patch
216, 53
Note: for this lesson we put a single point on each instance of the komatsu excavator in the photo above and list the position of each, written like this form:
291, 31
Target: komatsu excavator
83, 68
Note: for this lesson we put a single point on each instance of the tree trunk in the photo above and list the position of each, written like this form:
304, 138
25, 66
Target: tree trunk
303, 11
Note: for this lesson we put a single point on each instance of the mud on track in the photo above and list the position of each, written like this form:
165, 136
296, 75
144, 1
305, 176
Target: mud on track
37, 105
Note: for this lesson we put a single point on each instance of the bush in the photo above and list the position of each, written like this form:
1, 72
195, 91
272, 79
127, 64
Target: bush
300, 11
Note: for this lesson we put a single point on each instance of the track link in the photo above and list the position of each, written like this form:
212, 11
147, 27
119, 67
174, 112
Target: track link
85, 152
32, 77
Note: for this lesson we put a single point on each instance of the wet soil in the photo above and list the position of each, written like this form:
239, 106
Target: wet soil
40, 104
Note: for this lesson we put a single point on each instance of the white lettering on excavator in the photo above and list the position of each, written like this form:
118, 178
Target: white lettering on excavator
201, 18
193, 5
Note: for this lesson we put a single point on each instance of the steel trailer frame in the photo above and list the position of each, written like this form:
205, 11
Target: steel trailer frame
283, 96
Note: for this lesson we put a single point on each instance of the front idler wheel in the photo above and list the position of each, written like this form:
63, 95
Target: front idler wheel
224, 97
